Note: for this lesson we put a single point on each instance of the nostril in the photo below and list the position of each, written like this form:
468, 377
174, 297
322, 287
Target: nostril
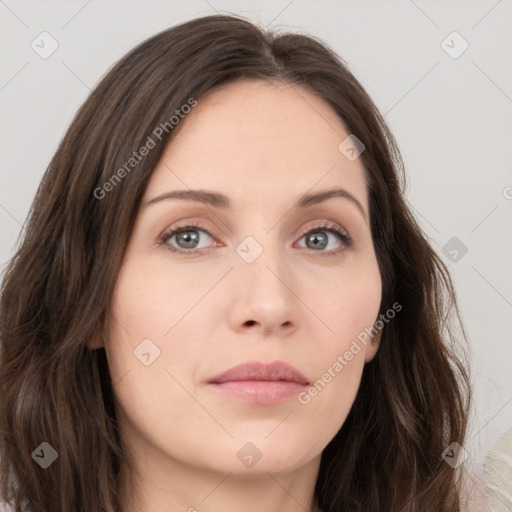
250, 322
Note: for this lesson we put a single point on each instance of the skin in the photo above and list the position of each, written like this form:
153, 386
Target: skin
263, 145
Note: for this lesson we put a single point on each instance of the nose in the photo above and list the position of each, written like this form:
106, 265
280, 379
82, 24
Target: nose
263, 298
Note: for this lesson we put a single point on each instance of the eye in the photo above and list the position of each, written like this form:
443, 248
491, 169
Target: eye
186, 237
317, 239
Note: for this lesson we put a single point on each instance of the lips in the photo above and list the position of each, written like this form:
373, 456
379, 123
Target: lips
260, 384
256, 371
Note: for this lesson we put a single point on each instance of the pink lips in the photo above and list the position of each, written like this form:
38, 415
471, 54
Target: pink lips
261, 383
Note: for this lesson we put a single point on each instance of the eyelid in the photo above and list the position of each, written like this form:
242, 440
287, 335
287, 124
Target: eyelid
326, 225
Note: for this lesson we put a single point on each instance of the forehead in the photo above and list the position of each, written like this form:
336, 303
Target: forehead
258, 138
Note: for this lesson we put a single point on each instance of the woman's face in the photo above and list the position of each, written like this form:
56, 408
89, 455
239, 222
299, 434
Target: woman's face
245, 284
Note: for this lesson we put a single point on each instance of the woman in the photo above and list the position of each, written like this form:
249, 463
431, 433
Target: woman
222, 301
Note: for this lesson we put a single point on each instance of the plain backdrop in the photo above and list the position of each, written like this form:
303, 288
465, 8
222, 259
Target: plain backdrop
449, 109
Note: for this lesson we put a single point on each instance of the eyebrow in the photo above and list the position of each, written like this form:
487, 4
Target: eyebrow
218, 200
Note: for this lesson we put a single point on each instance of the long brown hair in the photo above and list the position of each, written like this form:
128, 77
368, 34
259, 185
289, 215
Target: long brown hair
414, 396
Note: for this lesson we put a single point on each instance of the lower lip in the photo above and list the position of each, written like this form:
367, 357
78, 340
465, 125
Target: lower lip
260, 391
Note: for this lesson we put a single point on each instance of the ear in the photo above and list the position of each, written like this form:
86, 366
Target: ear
96, 341
372, 347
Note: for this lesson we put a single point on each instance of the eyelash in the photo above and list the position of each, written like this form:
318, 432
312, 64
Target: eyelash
326, 226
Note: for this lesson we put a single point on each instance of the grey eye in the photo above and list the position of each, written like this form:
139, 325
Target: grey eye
187, 238
316, 240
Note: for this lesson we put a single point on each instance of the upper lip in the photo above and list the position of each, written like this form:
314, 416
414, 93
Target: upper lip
254, 370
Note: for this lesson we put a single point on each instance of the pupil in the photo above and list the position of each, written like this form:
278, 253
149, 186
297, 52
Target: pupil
314, 238
188, 238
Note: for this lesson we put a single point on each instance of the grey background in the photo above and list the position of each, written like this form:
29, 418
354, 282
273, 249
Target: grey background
451, 117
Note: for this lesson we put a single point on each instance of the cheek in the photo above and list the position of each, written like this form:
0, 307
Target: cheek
348, 303
349, 307
149, 327
150, 301
152, 352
